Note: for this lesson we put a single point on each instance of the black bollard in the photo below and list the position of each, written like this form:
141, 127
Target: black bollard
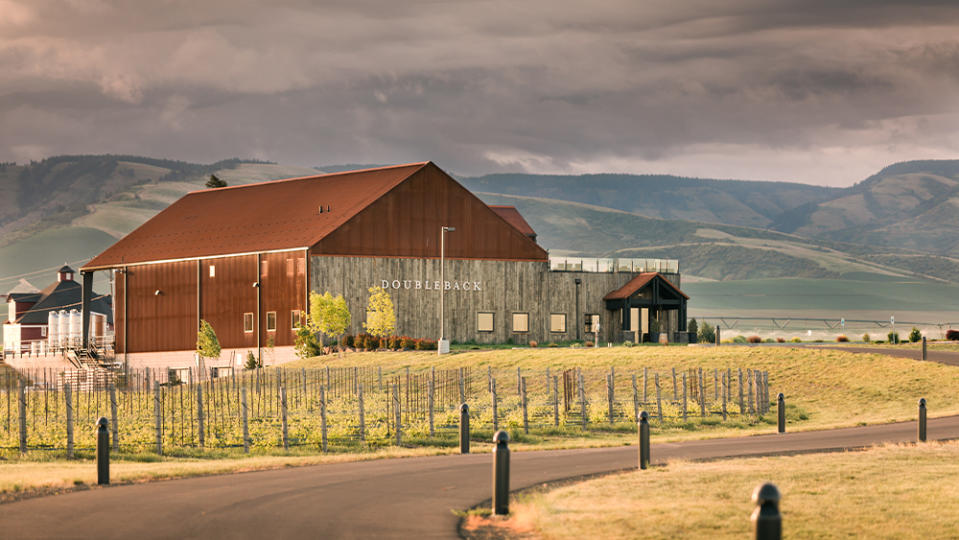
643, 440
717, 335
781, 409
925, 349
501, 473
922, 419
464, 429
767, 521
103, 452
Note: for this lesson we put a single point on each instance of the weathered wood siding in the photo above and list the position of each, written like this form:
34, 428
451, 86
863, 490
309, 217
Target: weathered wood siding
506, 287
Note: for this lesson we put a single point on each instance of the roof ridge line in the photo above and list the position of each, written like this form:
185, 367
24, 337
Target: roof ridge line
310, 177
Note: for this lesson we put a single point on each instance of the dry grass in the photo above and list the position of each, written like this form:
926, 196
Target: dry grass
832, 388
885, 492
824, 389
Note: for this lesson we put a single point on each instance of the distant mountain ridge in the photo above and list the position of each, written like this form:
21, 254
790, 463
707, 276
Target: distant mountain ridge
900, 223
911, 206
732, 202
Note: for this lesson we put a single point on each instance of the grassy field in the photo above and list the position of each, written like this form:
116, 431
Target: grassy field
884, 492
824, 389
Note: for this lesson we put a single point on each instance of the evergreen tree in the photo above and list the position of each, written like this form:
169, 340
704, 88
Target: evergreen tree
207, 345
215, 182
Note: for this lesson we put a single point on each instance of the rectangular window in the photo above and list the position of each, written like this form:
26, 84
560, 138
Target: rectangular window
271, 321
43, 331
295, 319
264, 268
521, 322
591, 322
557, 322
212, 271
247, 322
300, 267
289, 268
484, 322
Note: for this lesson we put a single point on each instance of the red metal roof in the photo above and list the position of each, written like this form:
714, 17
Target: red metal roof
514, 218
638, 283
267, 216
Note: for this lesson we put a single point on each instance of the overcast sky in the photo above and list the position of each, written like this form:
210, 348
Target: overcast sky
821, 92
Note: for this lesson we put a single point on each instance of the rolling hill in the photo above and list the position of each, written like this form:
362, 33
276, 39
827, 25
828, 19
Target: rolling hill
894, 225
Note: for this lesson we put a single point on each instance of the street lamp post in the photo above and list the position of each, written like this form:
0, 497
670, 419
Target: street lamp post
443, 346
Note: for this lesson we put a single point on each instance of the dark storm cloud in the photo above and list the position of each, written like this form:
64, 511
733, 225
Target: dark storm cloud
822, 92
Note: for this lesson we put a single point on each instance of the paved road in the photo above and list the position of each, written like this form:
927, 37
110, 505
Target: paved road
396, 498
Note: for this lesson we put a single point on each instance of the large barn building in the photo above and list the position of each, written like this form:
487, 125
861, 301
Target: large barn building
246, 258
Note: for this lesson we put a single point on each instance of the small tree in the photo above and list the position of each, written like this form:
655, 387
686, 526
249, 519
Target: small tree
330, 315
693, 327
207, 345
915, 335
893, 337
252, 362
381, 317
707, 334
306, 345
215, 182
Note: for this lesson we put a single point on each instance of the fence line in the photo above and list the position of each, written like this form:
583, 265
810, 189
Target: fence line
351, 407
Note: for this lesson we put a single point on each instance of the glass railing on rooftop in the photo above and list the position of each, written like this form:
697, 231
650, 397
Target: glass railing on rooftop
592, 264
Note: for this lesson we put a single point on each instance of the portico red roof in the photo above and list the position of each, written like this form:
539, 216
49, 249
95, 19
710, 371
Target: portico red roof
638, 283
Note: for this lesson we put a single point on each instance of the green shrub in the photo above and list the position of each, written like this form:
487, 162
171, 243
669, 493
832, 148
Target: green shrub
252, 362
865, 338
739, 339
707, 334
893, 337
306, 344
915, 335
795, 340
628, 344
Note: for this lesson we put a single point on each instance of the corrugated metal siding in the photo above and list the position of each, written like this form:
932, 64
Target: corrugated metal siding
406, 223
163, 322
281, 291
227, 296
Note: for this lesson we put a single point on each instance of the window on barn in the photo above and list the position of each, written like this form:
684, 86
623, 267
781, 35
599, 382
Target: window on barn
270, 321
289, 268
591, 322
521, 322
557, 322
295, 318
300, 266
247, 322
484, 322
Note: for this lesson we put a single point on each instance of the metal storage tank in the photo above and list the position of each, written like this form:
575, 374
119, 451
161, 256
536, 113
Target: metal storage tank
53, 329
75, 326
63, 332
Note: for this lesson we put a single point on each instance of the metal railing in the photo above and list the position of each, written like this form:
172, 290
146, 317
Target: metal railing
592, 264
